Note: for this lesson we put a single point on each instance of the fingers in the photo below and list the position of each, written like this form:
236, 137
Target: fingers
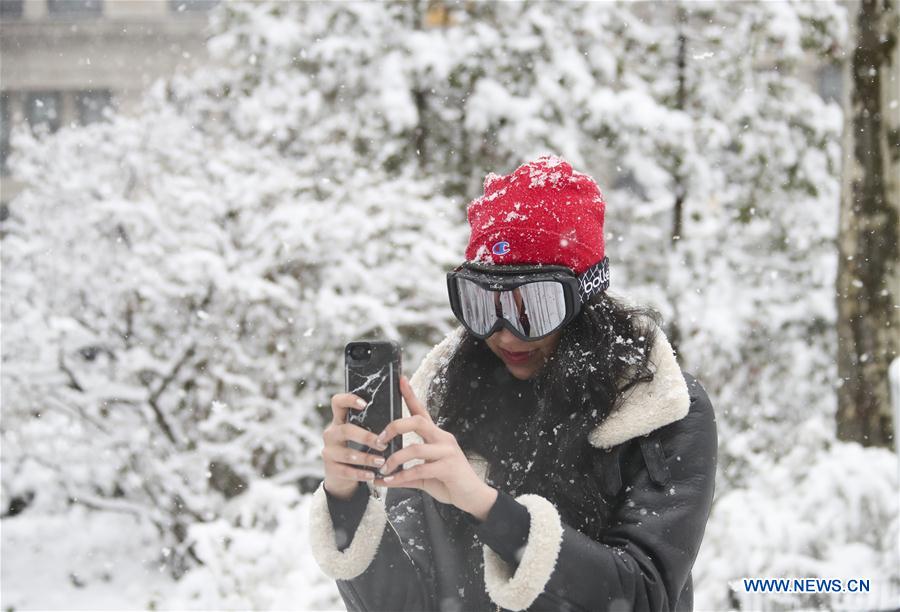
428, 452
348, 472
426, 429
340, 434
343, 465
412, 402
342, 403
415, 476
351, 457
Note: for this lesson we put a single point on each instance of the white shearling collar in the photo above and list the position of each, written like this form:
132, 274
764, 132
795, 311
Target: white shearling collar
644, 408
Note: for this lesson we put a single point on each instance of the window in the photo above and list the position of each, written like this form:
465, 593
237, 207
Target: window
90, 103
191, 6
5, 117
42, 110
11, 8
75, 8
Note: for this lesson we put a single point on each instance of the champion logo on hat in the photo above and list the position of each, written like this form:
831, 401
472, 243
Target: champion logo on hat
500, 248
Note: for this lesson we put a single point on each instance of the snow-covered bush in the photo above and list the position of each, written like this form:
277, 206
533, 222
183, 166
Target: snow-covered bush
814, 513
175, 305
255, 557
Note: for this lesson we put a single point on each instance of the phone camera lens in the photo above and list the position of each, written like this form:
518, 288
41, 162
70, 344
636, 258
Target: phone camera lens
360, 351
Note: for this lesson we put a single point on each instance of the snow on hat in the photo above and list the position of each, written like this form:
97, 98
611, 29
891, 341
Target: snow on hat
543, 213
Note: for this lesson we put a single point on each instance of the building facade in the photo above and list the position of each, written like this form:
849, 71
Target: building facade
62, 62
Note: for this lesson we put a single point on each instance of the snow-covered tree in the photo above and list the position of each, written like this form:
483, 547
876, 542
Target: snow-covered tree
869, 264
176, 300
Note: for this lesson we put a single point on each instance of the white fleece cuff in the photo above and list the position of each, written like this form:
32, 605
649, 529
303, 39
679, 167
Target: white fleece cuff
353, 560
517, 591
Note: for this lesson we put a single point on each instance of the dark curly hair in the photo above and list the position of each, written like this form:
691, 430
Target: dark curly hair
544, 448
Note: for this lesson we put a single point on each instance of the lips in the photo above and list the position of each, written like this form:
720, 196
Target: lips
520, 357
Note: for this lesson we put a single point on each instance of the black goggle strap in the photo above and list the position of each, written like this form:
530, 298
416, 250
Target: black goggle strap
594, 280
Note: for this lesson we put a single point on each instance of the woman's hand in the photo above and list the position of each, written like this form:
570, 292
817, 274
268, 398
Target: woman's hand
446, 474
342, 476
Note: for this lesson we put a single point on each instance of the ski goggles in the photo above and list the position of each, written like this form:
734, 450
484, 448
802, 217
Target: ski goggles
532, 301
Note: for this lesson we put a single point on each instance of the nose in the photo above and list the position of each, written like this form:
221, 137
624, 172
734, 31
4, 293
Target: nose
507, 340
506, 336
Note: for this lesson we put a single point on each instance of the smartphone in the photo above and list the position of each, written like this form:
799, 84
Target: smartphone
372, 371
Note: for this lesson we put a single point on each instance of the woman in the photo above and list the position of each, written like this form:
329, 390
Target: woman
560, 460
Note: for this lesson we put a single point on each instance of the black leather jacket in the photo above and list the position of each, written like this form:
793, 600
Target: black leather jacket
657, 490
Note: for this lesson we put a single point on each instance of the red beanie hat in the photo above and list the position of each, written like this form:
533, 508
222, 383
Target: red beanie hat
544, 212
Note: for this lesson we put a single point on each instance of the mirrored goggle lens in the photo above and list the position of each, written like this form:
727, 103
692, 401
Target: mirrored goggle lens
533, 309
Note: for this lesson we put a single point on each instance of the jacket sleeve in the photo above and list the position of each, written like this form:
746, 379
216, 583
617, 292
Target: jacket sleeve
361, 550
643, 559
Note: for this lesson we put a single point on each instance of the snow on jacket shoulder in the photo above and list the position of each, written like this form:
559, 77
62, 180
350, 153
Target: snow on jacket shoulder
658, 454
